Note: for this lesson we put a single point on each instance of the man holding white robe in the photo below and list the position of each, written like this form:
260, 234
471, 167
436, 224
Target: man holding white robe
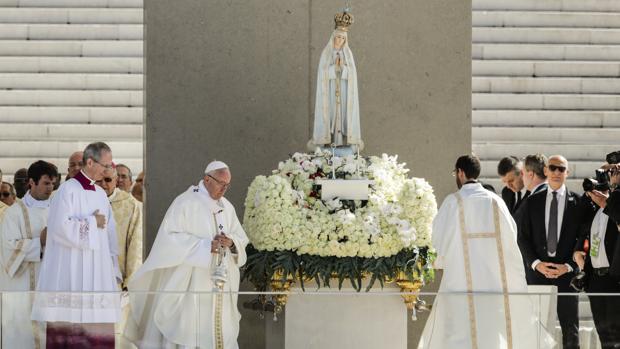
23, 233
80, 260
198, 223
476, 242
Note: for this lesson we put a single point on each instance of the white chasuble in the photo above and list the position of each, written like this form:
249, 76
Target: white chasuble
79, 274
180, 264
476, 242
20, 255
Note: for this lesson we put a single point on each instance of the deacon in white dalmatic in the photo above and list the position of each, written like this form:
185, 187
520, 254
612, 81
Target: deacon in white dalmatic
199, 225
23, 234
476, 242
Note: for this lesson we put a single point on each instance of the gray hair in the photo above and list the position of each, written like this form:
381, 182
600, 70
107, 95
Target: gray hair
218, 171
536, 163
94, 151
127, 168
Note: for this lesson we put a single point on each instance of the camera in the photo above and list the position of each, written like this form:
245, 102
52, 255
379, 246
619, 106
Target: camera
578, 282
613, 157
600, 181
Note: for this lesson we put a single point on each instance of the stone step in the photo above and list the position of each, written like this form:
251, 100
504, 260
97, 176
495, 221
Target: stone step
545, 35
491, 51
72, 3
545, 101
72, 15
71, 81
71, 115
62, 149
70, 132
545, 19
71, 31
544, 68
11, 165
549, 135
548, 5
72, 48
573, 152
71, 98
578, 169
128, 65
494, 84
546, 118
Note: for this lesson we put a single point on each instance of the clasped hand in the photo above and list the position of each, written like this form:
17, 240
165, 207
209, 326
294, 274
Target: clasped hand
551, 270
220, 240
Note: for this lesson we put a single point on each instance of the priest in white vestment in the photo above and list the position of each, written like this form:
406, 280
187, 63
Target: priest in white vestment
79, 275
476, 242
198, 225
22, 241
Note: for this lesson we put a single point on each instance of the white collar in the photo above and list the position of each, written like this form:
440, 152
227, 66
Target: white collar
214, 205
560, 192
92, 182
32, 202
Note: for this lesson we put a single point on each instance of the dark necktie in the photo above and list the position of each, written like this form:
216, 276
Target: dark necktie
552, 233
527, 194
518, 202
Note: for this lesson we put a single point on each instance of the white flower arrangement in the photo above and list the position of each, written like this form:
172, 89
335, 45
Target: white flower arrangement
284, 212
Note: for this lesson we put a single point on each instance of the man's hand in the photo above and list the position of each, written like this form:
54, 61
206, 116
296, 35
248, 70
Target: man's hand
224, 240
560, 269
547, 269
43, 237
100, 219
215, 245
580, 258
599, 198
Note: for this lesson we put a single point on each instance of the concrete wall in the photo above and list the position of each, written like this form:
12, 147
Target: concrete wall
235, 81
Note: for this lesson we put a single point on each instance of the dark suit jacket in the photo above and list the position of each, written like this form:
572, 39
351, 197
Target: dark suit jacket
509, 198
532, 235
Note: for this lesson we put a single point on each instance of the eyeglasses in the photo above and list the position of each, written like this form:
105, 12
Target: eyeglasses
454, 172
107, 167
553, 168
220, 183
5, 194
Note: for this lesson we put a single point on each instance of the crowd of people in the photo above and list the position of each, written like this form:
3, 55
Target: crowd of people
80, 242
78, 246
537, 232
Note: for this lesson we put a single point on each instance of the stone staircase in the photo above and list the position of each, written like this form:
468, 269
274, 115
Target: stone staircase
71, 72
545, 79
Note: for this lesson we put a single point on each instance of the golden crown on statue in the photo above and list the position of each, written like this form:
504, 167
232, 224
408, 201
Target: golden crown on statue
343, 20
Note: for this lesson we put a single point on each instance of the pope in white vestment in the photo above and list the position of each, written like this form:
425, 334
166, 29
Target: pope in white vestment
181, 264
476, 242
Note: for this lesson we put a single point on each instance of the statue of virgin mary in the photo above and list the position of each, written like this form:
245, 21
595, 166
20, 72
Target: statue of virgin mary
336, 110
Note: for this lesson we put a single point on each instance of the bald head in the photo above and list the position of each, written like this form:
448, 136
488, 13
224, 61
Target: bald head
556, 171
75, 164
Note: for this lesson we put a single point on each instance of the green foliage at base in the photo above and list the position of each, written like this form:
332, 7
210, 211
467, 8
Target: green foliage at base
261, 266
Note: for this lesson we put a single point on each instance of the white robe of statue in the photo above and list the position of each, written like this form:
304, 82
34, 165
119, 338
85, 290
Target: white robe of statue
20, 254
79, 257
330, 124
453, 322
180, 263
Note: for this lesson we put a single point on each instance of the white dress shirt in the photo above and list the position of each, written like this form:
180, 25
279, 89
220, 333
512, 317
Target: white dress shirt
561, 197
598, 230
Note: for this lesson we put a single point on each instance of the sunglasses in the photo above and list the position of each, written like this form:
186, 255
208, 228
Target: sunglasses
106, 179
5, 194
554, 168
